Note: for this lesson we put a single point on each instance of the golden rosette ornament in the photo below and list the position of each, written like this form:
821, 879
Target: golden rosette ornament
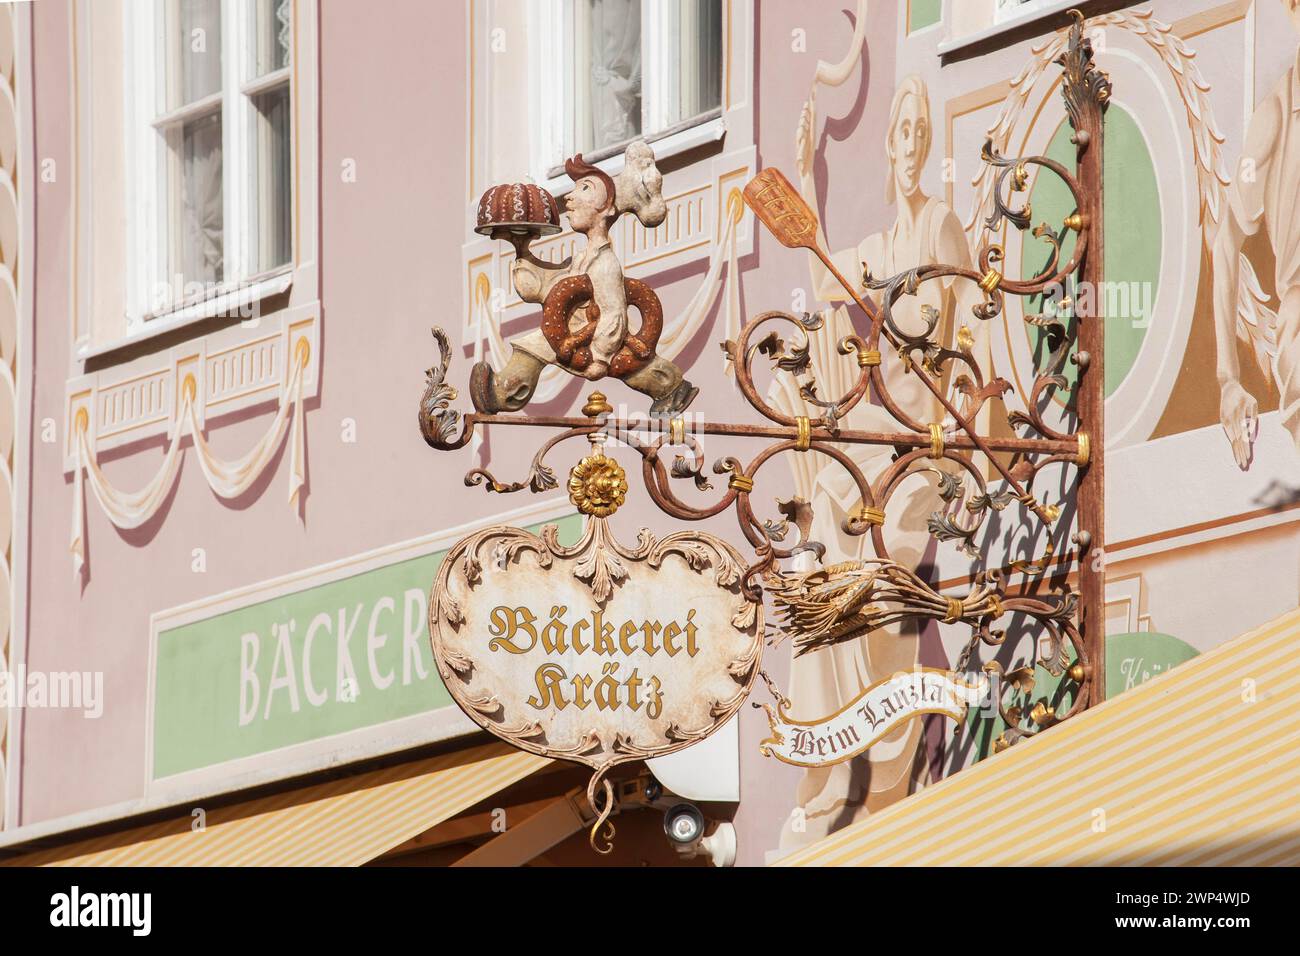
597, 486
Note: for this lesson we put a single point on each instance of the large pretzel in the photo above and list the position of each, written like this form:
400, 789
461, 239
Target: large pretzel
573, 349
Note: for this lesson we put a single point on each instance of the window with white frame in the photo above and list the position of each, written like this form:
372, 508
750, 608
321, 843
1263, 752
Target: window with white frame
1015, 9
629, 69
971, 21
551, 78
209, 141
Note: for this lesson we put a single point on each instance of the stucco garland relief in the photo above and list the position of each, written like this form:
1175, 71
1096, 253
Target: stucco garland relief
637, 686
175, 401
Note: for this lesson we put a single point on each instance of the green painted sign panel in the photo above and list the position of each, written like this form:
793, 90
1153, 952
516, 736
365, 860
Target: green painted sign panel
923, 13
340, 656
1135, 658
1131, 659
1133, 237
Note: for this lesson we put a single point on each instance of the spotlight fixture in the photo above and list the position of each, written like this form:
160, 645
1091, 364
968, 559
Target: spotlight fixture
684, 824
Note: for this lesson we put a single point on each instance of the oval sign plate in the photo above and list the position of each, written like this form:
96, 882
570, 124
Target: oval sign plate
596, 653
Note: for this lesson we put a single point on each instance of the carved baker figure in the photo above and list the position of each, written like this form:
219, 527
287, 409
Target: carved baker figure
585, 299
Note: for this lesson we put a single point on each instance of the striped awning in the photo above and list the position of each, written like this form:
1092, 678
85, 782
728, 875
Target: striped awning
1199, 766
344, 822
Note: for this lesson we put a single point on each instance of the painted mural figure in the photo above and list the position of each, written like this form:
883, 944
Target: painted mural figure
926, 230
585, 298
1263, 193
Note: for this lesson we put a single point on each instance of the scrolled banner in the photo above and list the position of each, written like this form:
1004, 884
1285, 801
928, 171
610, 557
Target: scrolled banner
870, 716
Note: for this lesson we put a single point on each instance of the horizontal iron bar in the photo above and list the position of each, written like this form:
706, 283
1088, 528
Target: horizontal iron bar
848, 436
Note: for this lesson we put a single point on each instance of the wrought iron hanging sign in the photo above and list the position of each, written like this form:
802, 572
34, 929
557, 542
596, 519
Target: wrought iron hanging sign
572, 651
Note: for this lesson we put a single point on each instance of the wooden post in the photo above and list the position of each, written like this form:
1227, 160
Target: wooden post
1087, 93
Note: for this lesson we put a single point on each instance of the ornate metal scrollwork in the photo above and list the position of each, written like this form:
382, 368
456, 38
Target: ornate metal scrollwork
836, 602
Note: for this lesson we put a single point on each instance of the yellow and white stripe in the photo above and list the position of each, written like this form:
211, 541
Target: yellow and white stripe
340, 823
1199, 766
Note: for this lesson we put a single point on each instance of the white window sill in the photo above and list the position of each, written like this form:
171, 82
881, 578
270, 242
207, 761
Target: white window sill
227, 303
701, 134
1004, 26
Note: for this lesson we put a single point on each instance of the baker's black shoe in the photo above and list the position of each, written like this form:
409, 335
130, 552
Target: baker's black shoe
675, 402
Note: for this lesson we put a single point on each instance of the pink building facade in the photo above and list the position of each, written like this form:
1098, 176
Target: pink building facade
223, 271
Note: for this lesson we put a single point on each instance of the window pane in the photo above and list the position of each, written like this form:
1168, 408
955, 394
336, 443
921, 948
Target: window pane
274, 194
1006, 9
193, 50
272, 34
641, 69
700, 67
201, 245
613, 80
